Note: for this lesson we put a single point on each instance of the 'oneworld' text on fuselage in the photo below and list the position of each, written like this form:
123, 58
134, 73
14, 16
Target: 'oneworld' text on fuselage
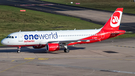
41, 36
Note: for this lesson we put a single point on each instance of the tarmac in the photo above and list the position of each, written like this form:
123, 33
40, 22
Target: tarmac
113, 57
106, 58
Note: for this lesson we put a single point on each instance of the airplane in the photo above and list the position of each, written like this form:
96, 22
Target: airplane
54, 40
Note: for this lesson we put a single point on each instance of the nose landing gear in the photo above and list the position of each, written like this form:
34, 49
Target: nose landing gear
18, 49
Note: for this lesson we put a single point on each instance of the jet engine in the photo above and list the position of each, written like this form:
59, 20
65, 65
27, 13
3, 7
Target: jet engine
52, 47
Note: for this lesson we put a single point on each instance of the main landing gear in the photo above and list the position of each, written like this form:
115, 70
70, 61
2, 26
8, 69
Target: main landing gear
66, 50
18, 49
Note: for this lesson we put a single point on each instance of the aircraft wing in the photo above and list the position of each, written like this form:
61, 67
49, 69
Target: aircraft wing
71, 41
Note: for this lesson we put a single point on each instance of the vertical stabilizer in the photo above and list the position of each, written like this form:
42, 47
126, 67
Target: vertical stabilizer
114, 22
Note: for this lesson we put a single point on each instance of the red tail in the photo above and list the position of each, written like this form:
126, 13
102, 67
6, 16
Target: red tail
114, 22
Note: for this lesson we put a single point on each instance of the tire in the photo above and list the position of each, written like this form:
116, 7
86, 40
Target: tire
18, 51
66, 50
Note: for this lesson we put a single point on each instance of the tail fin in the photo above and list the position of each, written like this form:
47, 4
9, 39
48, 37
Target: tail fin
114, 22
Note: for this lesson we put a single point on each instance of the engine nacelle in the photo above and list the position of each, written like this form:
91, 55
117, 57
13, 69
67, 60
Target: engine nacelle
38, 46
52, 47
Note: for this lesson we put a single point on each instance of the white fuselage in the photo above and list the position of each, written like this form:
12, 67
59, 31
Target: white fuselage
43, 37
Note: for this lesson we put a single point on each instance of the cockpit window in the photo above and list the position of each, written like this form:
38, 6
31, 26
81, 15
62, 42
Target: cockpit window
10, 37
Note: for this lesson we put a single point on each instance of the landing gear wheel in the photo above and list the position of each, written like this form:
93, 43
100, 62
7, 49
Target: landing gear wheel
66, 50
18, 51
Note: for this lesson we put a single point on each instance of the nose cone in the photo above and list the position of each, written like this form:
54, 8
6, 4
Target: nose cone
4, 42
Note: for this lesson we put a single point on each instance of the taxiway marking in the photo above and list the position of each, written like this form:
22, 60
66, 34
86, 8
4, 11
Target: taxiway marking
43, 58
124, 46
29, 58
81, 58
12, 60
36, 58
